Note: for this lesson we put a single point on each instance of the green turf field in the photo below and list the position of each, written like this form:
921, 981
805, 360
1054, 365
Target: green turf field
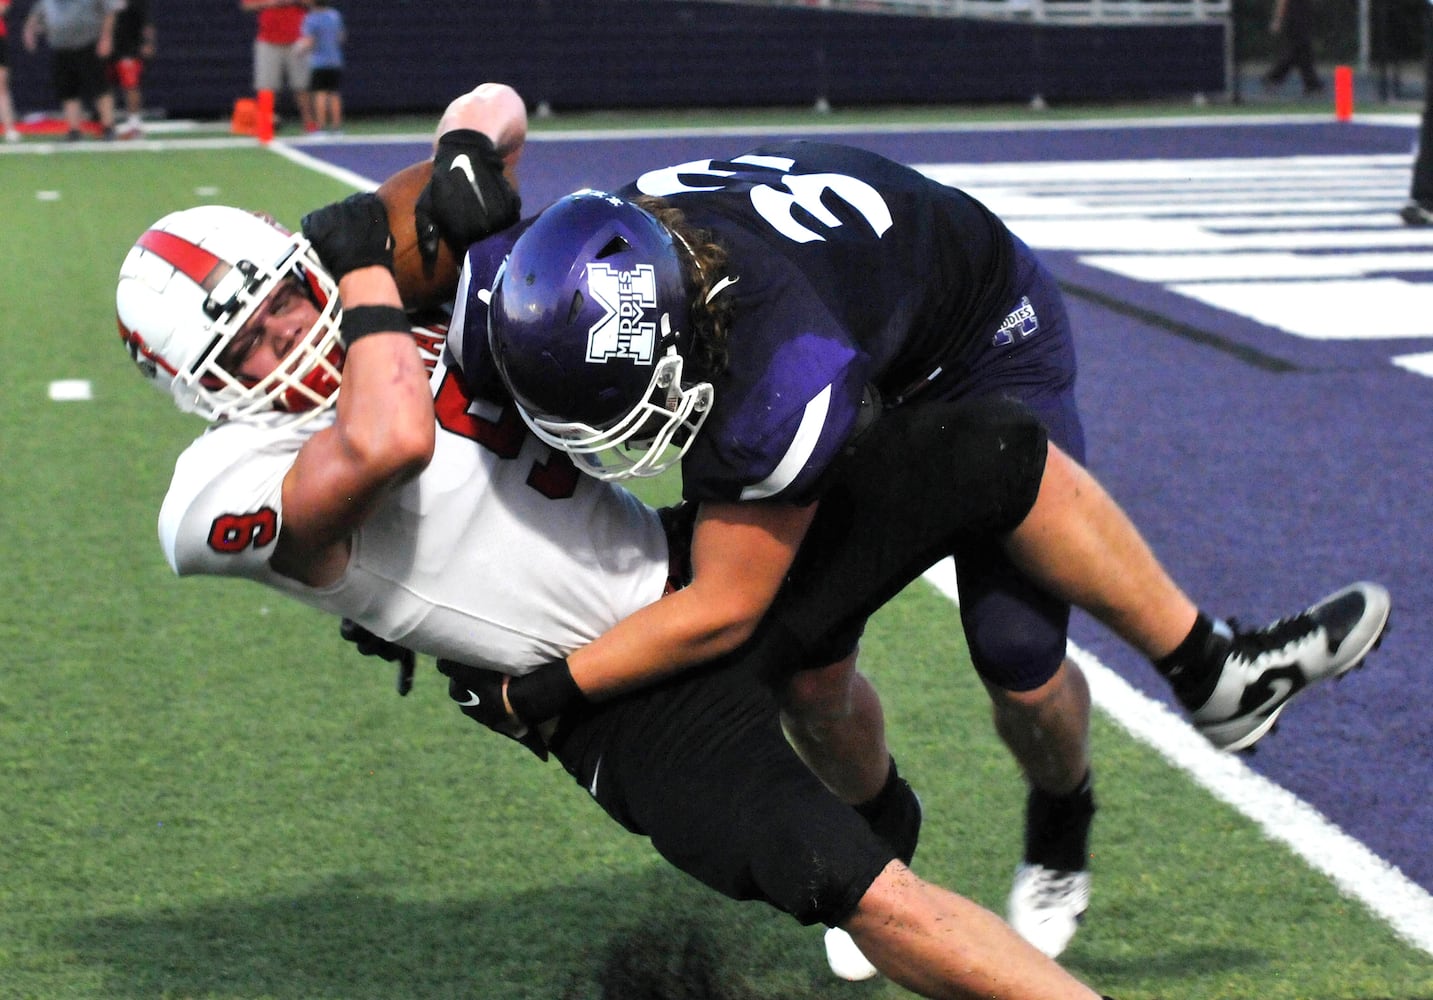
207, 794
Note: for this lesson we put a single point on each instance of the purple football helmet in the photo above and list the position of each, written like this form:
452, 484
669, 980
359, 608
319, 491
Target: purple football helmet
588, 324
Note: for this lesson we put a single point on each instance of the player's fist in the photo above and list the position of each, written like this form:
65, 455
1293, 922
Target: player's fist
479, 693
351, 234
467, 197
371, 645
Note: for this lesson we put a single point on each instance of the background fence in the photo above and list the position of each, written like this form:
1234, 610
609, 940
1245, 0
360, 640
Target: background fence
407, 55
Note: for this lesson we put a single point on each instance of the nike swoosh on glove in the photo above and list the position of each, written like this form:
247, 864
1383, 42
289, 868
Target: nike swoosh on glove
479, 693
467, 197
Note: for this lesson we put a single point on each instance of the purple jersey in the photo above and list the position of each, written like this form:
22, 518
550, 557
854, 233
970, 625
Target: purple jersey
852, 272
856, 278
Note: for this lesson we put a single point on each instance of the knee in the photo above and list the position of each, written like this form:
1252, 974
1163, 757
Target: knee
898, 911
1016, 660
818, 871
823, 695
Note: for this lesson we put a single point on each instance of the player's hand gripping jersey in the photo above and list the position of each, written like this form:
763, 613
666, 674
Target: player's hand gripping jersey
499, 554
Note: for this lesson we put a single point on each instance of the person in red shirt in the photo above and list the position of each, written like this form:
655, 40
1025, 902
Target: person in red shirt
7, 107
279, 59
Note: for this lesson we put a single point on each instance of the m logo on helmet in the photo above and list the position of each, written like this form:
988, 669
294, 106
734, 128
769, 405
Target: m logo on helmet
628, 327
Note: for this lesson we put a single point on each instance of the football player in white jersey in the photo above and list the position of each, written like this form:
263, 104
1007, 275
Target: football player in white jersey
411, 507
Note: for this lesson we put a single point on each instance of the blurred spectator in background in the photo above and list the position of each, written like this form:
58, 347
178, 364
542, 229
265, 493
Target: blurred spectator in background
279, 59
1419, 210
133, 47
323, 38
7, 106
1292, 22
81, 38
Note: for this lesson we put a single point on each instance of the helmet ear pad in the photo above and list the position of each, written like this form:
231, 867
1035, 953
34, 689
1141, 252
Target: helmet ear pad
190, 284
589, 325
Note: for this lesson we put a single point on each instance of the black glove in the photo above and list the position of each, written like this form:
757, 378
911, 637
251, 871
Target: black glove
479, 693
350, 234
370, 645
467, 197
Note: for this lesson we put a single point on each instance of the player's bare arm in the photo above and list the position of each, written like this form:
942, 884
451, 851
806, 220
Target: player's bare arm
740, 556
383, 436
384, 431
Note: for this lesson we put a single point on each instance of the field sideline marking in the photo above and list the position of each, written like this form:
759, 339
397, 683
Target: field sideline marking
1283, 816
309, 162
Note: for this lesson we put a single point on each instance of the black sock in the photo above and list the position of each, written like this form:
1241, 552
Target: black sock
1193, 668
895, 814
1057, 827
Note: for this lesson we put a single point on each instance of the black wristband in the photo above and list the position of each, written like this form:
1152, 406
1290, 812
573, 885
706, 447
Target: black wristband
360, 321
545, 693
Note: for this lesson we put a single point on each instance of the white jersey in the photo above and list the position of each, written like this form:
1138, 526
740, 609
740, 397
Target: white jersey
500, 554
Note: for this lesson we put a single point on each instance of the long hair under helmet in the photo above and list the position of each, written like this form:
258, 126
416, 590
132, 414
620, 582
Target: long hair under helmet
188, 286
588, 324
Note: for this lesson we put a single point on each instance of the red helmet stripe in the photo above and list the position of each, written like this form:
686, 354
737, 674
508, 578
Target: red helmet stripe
138, 348
193, 261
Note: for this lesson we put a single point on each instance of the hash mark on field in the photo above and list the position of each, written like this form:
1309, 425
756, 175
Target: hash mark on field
68, 390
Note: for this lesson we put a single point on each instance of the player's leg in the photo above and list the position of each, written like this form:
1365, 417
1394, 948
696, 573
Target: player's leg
700, 766
1047, 728
833, 717
1017, 631
1075, 518
914, 484
1078, 544
939, 944
1041, 707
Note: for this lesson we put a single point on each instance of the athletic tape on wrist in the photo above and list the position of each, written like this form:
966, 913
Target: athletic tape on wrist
360, 321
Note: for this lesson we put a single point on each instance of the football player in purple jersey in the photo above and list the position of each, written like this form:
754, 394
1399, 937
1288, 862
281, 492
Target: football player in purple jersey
749, 317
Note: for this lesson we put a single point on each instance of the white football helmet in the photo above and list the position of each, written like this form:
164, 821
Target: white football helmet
192, 281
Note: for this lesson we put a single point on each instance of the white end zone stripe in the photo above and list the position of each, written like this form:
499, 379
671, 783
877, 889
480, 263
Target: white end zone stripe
349, 177
1358, 872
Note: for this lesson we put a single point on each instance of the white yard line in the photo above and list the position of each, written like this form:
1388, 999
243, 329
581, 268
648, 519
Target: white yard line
1283, 816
